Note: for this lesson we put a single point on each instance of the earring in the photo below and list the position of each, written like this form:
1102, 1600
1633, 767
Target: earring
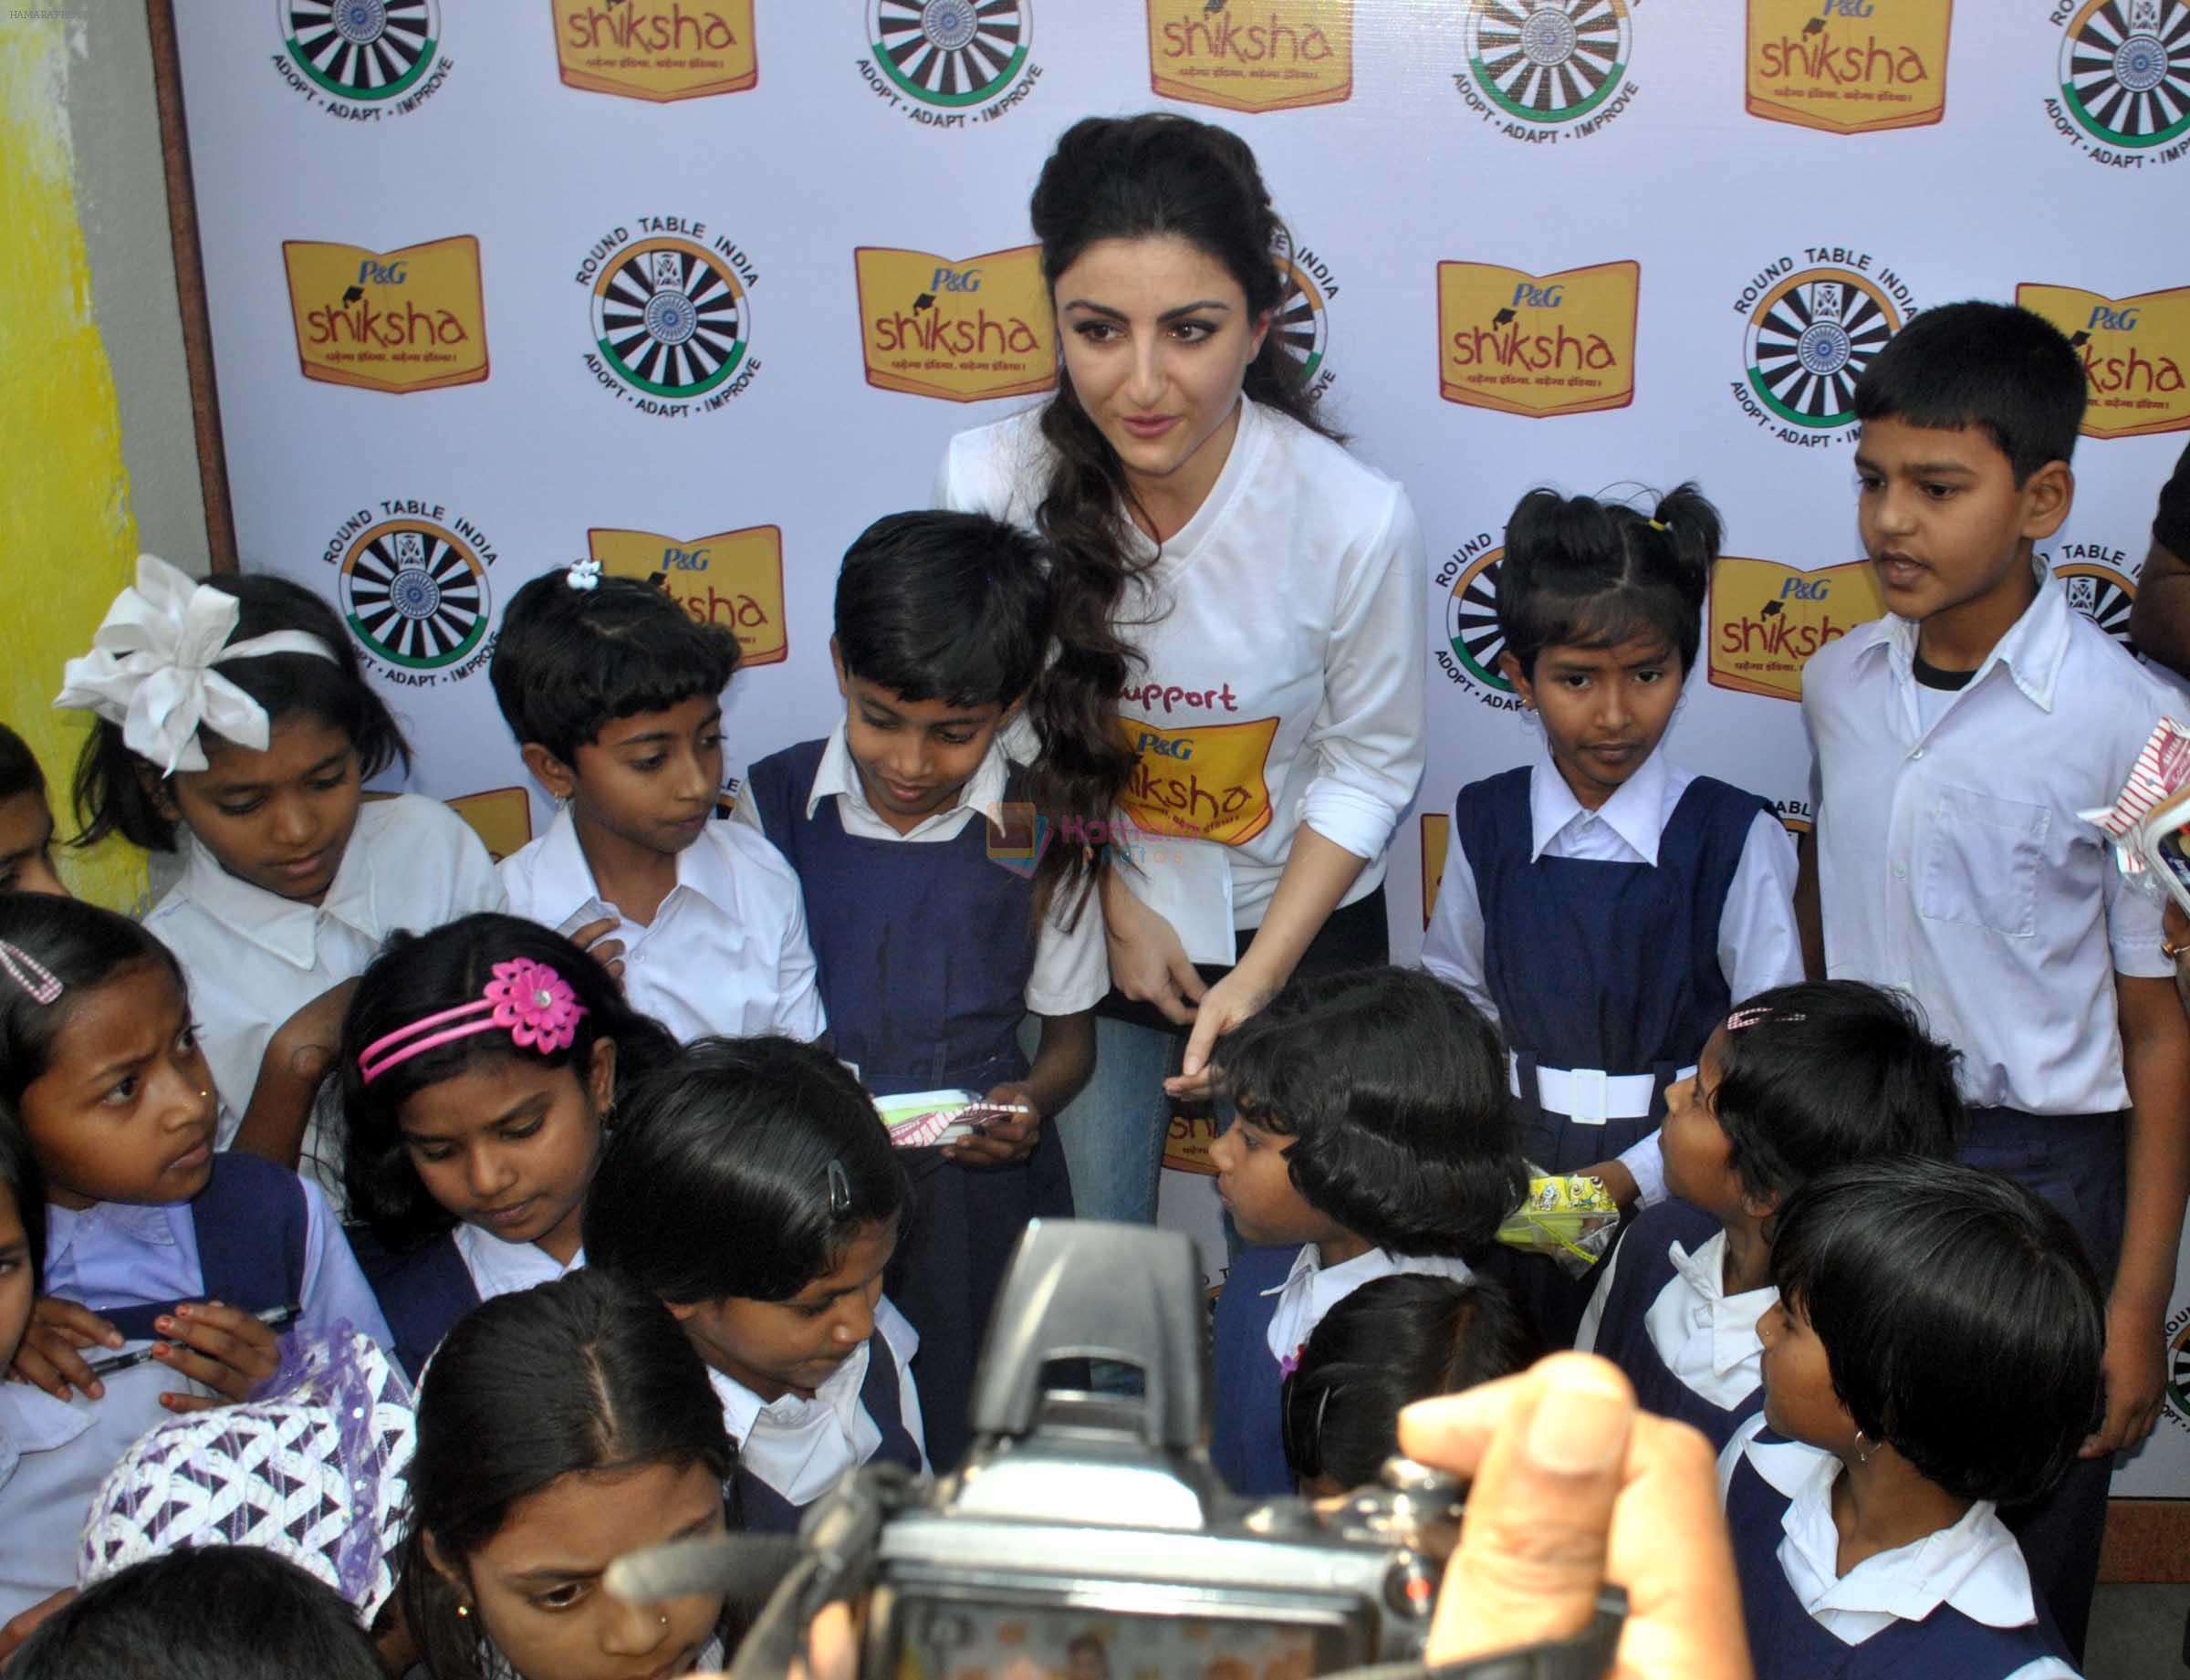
463, 1609
1863, 1452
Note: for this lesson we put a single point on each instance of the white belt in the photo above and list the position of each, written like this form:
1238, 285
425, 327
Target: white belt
1589, 1096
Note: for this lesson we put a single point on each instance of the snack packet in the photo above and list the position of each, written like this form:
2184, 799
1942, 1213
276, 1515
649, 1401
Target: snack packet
1570, 1217
929, 1119
2150, 818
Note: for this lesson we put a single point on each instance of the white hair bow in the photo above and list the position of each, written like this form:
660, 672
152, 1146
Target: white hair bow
151, 668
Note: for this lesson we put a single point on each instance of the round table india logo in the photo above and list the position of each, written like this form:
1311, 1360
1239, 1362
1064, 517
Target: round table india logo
951, 53
1809, 340
361, 49
2178, 1370
670, 318
2102, 594
1302, 324
414, 594
2125, 70
1471, 621
1548, 61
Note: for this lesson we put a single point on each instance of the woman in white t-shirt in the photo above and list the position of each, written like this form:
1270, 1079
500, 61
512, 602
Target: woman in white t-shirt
1232, 725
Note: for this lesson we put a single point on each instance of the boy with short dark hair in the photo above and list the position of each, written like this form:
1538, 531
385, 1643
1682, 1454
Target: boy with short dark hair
933, 938
1957, 741
614, 694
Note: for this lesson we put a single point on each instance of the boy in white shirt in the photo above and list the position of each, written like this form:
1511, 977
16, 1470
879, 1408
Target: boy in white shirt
615, 696
1957, 741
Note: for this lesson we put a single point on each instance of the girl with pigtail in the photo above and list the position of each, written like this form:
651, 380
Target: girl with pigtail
1605, 905
1231, 724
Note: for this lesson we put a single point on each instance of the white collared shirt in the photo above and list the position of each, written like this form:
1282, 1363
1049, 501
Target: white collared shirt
54, 1454
1952, 860
727, 952
1282, 633
1312, 1289
1071, 967
253, 958
1758, 945
802, 1447
503, 1268
1707, 1338
1975, 1566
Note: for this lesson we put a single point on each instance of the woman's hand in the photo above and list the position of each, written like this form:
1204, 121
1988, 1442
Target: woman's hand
1240, 994
1148, 961
51, 1354
225, 1347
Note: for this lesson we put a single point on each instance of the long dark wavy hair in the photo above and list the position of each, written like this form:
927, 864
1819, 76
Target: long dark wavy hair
1128, 178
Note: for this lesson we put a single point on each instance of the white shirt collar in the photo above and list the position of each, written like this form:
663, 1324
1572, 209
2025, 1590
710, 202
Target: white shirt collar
837, 775
1311, 1289
1975, 1566
143, 1221
286, 927
2032, 650
1706, 1337
801, 1448
1635, 812
499, 1268
563, 880
32, 1421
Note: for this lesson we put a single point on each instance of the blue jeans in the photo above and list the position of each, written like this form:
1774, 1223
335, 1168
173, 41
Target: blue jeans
1113, 1132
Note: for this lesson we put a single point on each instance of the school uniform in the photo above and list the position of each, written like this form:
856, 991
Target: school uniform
253, 958
1953, 863
1662, 1315
727, 951
791, 1451
1958, 1602
257, 1236
1272, 1301
424, 1290
930, 960
1608, 945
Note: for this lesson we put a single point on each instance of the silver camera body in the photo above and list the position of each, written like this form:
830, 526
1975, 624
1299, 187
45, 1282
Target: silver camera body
1088, 1536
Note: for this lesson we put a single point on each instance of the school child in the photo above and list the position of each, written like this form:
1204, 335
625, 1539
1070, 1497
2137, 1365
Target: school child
234, 721
1370, 1134
562, 1426
25, 822
1605, 906
615, 695
480, 1065
929, 930
1957, 738
212, 1613
751, 1185
1933, 1353
1797, 1082
152, 1241
1393, 1341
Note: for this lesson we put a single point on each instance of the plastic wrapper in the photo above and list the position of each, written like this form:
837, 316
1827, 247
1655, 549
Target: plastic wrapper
928, 1118
2149, 820
1568, 1217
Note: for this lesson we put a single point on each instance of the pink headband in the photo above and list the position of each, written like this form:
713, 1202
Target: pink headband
528, 1001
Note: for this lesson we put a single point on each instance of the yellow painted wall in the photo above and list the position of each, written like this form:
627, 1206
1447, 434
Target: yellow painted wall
68, 540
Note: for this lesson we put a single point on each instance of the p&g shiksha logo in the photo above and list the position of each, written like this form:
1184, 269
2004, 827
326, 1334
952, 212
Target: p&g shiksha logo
2125, 76
941, 61
672, 319
358, 59
1810, 332
1536, 67
411, 583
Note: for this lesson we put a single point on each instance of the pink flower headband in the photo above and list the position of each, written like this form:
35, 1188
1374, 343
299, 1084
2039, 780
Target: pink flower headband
528, 1001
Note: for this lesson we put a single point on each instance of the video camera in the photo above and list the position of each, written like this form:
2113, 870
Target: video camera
1086, 1536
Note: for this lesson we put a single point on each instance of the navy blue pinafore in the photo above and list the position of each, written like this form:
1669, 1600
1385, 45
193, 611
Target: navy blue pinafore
1623, 1336
1246, 1441
1601, 965
766, 1511
250, 1224
422, 1291
925, 951
1787, 1644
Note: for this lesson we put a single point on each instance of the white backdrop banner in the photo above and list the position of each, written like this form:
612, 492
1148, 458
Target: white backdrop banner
699, 287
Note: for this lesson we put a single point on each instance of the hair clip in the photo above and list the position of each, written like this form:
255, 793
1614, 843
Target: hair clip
1756, 1013
1659, 525
583, 575
840, 1189
528, 1001
29, 974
